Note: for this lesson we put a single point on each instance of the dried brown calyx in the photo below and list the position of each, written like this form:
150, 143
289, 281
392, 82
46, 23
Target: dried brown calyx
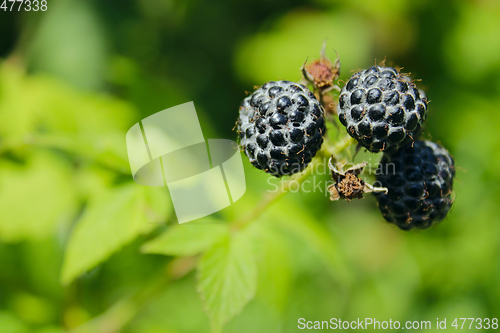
347, 183
322, 73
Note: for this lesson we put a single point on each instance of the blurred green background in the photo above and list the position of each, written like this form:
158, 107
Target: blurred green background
73, 225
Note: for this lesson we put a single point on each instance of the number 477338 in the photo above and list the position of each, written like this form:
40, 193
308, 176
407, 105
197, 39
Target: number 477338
480, 323
27, 5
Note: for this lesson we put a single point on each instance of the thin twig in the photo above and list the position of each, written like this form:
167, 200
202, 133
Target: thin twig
297, 180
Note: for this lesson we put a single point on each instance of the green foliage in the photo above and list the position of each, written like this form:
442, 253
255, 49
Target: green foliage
187, 240
78, 52
24, 215
112, 220
34, 309
275, 269
10, 324
470, 53
293, 220
77, 250
291, 43
227, 275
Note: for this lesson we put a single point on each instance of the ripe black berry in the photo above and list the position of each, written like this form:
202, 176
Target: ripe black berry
382, 109
420, 180
281, 127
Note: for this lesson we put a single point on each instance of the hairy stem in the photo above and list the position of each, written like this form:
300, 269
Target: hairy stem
268, 200
274, 196
329, 149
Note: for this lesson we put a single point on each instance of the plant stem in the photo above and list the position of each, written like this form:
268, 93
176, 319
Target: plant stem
326, 152
122, 312
329, 150
274, 196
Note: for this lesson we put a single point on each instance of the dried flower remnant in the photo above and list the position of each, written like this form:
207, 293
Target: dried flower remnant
322, 73
347, 183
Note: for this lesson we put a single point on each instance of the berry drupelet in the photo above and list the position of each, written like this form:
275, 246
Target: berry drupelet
281, 127
419, 179
382, 109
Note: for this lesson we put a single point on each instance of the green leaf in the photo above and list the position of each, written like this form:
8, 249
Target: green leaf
35, 198
112, 220
293, 219
187, 239
17, 95
227, 278
292, 39
274, 267
33, 309
11, 324
51, 329
82, 34
94, 129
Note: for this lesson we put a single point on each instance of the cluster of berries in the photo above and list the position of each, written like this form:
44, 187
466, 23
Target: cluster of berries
282, 125
384, 111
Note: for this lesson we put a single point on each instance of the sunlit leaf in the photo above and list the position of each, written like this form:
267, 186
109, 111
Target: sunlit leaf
112, 220
78, 53
17, 104
466, 46
35, 198
33, 309
11, 324
294, 220
50, 329
227, 278
274, 268
298, 36
50, 113
187, 239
